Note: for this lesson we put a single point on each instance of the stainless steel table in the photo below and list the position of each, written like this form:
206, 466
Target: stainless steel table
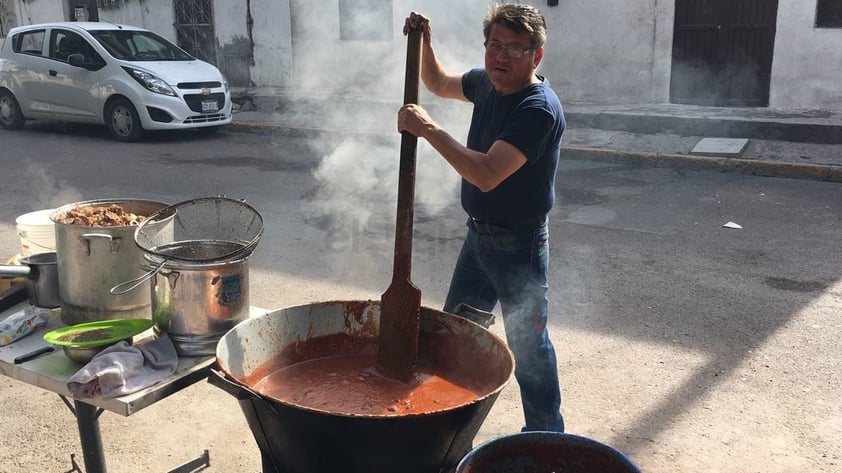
52, 371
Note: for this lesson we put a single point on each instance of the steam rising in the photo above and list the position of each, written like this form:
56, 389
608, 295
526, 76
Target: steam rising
358, 178
39, 179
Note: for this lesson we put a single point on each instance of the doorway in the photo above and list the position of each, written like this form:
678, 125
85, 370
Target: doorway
722, 52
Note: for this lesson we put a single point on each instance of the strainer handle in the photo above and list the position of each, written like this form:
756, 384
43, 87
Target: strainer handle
136, 282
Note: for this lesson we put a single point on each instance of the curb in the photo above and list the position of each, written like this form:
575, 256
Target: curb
726, 127
828, 173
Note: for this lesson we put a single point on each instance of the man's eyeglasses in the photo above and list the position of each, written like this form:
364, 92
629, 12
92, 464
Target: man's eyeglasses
514, 52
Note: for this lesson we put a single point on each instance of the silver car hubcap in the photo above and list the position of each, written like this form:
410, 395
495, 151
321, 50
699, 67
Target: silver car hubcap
122, 121
7, 111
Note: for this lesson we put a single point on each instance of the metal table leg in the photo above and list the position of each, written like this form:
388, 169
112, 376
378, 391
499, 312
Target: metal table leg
87, 420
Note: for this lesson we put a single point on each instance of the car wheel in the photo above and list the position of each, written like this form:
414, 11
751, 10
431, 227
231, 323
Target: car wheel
122, 121
11, 116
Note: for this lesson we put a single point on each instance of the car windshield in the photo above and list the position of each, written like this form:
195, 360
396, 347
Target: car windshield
139, 46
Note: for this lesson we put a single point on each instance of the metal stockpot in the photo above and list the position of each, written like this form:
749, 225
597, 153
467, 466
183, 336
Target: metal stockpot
297, 439
197, 303
92, 260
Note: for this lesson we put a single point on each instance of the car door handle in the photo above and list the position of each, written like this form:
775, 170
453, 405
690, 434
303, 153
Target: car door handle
53, 73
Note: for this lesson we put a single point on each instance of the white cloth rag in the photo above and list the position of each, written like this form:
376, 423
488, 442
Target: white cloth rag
123, 369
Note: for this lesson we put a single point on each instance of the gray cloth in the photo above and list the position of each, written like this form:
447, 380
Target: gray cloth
122, 369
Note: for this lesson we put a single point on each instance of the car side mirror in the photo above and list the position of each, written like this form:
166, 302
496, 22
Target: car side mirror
79, 60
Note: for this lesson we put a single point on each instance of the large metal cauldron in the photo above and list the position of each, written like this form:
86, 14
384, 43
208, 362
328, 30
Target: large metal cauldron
92, 260
296, 439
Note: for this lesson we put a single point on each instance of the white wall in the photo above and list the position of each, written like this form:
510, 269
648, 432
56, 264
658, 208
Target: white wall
605, 51
807, 65
322, 63
41, 11
272, 35
230, 20
601, 51
156, 15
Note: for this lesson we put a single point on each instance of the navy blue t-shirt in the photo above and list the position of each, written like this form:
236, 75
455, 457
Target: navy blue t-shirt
531, 120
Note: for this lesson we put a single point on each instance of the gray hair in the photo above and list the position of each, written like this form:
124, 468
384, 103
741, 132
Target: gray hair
519, 18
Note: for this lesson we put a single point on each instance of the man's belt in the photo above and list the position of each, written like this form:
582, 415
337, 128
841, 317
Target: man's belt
488, 227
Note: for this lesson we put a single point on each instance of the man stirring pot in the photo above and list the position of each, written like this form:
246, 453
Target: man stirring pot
508, 176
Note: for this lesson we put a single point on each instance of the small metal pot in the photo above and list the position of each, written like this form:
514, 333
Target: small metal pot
41, 273
197, 303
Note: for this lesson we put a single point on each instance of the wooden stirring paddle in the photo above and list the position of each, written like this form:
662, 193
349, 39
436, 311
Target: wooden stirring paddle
400, 305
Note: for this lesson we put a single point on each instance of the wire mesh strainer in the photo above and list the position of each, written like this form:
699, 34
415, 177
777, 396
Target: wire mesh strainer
201, 230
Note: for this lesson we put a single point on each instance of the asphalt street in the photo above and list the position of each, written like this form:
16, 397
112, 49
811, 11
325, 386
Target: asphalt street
688, 345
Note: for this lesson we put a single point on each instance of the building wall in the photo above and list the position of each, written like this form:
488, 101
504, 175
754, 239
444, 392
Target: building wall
157, 15
609, 51
807, 66
41, 11
8, 16
604, 51
273, 47
601, 51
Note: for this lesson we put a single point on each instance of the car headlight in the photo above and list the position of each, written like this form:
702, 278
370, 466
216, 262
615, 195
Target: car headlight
151, 82
225, 83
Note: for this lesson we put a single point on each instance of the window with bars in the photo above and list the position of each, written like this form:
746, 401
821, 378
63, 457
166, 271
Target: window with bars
194, 28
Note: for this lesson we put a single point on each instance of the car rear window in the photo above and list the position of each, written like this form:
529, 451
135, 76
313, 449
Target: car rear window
29, 42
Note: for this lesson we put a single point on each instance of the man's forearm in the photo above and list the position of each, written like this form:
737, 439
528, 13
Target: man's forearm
470, 164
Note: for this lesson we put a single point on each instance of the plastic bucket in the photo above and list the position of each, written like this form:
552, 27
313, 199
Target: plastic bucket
36, 232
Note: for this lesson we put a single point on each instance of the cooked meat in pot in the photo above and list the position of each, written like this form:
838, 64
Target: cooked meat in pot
111, 215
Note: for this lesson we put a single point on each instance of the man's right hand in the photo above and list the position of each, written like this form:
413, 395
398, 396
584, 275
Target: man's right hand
414, 119
417, 20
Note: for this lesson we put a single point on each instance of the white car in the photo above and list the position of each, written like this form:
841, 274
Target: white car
126, 77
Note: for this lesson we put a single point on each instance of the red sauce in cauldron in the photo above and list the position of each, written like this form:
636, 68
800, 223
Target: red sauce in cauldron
351, 385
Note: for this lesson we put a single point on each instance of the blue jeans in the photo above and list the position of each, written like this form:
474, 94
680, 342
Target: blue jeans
510, 266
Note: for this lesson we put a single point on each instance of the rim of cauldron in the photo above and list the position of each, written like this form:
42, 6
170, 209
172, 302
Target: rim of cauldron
271, 401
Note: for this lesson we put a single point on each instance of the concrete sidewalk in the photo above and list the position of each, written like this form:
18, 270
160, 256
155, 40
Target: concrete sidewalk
792, 144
